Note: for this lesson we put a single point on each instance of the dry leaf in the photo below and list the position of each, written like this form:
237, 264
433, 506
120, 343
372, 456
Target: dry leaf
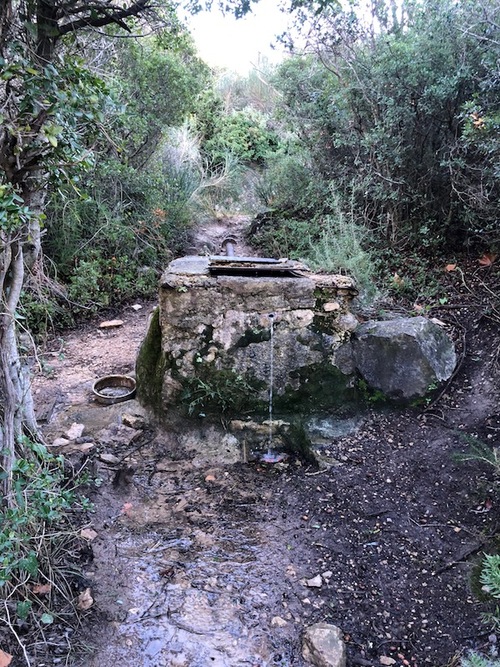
85, 600
41, 589
5, 659
126, 508
210, 478
110, 324
418, 307
88, 534
397, 279
450, 267
487, 259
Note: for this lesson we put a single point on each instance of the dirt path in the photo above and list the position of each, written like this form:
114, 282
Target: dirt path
197, 562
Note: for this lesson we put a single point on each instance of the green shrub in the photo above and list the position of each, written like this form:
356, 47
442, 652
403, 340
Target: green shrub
339, 247
220, 392
244, 134
288, 183
43, 496
475, 659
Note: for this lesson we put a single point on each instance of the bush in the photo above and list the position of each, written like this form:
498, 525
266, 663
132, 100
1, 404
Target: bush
32, 529
245, 135
339, 249
288, 182
474, 659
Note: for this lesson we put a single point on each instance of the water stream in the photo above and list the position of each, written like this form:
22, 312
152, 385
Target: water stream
271, 382
271, 456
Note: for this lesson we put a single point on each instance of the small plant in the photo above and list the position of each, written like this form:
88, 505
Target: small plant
37, 539
219, 391
339, 248
479, 451
369, 394
475, 659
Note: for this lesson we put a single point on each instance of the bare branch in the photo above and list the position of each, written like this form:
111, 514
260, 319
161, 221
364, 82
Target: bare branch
110, 15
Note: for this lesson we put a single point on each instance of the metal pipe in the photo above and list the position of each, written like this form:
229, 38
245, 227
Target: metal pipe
229, 245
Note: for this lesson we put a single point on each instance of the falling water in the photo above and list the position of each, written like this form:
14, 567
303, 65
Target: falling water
270, 456
271, 383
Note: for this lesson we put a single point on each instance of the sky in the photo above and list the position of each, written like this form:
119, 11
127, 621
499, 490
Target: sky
236, 44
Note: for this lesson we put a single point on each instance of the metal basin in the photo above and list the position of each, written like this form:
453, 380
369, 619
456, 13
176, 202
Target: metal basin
114, 389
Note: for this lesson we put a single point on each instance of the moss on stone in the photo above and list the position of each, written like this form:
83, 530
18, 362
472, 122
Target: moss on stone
320, 388
250, 336
151, 365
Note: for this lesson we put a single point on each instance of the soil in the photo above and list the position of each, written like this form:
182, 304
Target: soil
198, 563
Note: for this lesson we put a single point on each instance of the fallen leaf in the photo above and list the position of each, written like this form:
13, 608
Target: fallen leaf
487, 259
385, 660
450, 267
417, 307
397, 279
41, 589
126, 508
210, 478
110, 324
85, 600
108, 458
88, 534
5, 659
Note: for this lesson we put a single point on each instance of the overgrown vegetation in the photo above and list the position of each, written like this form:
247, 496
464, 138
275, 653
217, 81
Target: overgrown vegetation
395, 139
39, 539
220, 392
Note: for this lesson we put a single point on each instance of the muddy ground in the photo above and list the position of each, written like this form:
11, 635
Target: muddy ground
198, 563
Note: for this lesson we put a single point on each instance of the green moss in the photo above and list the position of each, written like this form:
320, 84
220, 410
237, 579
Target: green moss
298, 443
151, 365
253, 336
320, 388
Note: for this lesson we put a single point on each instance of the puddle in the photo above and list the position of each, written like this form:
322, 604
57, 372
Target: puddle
189, 577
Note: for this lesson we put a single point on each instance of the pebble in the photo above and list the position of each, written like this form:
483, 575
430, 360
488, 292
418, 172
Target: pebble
315, 582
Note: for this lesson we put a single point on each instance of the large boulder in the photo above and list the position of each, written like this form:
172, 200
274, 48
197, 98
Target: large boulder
323, 646
404, 357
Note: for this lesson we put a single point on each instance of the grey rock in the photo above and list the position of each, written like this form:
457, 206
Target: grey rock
403, 357
323, 646
325, 429
314, 582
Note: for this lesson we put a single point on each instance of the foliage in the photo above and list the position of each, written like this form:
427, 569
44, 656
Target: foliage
13, 213
245, 133
339, 249
480, 451
288, 182
43, 498
475, 659
219, 391
386, 115
490, 575
110, 239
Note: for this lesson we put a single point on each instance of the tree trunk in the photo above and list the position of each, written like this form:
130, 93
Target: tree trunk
11, 376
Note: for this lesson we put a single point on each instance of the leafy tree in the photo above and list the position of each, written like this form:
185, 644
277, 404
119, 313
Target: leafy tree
387, 111
48, 100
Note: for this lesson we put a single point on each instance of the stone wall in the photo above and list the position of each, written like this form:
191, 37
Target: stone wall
209, 347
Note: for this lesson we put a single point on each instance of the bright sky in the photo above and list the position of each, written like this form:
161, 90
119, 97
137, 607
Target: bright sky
224, 41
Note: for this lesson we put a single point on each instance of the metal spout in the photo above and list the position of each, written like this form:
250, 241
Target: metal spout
229, 245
